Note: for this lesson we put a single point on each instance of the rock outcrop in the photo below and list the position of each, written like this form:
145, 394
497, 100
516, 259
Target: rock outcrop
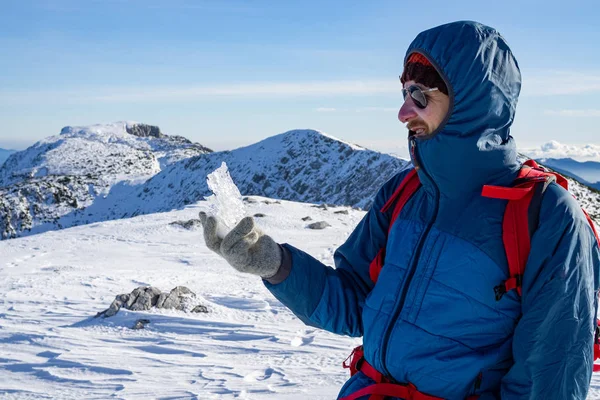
144, 298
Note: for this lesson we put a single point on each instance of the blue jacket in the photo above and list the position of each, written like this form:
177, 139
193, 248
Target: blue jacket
432, 318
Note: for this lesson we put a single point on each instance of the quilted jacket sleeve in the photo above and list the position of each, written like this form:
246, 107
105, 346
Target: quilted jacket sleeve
333, 298
553, 341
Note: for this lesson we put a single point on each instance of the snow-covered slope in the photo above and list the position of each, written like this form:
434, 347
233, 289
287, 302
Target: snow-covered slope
587, 172
249, 346
4, 154
299, 165
63, 174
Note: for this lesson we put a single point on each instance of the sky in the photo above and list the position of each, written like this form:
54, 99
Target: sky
227, 73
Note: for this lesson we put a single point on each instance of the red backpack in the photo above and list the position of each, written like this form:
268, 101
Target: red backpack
519, 222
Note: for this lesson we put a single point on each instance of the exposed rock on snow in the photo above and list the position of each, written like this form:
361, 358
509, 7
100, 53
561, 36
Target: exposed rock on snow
144, 298
191, 224
271, 202
140, 323
143, 130
318, 225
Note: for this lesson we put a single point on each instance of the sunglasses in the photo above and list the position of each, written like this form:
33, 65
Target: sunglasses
417, 94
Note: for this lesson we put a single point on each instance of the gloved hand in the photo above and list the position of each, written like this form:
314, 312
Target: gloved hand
246, 248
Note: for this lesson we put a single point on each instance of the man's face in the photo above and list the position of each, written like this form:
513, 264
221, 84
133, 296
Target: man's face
423, 121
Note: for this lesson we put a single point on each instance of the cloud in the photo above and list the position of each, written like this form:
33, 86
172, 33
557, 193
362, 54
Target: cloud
554, 149
185, 93
553, 83
574, 113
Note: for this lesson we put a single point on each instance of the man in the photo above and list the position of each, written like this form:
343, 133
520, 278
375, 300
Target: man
431, 322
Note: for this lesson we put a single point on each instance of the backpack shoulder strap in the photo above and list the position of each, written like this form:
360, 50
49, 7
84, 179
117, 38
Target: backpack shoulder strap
517, 238
409, 185
521, 218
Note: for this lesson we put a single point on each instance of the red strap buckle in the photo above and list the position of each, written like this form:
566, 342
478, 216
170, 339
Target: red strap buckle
353, 360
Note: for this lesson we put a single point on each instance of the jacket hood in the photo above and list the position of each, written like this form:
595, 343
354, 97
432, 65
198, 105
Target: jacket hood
472, 146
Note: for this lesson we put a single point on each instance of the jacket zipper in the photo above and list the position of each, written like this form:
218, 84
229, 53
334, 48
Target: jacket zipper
402, 299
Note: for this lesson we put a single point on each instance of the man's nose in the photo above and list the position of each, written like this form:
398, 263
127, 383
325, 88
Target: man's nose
407, 111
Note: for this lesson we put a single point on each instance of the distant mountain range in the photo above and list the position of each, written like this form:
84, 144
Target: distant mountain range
104, 172
587, 172
4, 154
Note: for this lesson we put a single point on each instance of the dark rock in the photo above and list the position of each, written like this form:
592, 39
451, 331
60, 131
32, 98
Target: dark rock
200, 309
272, 202
307, 218
345, 212
143, 130
140, 324
144, 298
259, 215
161, 300
318, 225
173, 301
191, 224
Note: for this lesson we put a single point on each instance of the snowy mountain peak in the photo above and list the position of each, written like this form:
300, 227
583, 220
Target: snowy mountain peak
301, 136
112, 152
108, 132
298, 165
67, 172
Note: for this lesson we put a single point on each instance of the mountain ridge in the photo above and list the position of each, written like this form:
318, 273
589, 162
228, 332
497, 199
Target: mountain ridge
298, 165
57, 183
63, 174
4, 154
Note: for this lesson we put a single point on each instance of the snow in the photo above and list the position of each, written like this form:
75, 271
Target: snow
249, 346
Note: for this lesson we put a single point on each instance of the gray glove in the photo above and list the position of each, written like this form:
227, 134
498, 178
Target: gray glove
246, 248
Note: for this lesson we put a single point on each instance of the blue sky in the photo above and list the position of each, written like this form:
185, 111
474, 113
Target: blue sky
229, 73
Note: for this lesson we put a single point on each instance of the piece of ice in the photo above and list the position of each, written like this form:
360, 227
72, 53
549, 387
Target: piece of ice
226, 203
